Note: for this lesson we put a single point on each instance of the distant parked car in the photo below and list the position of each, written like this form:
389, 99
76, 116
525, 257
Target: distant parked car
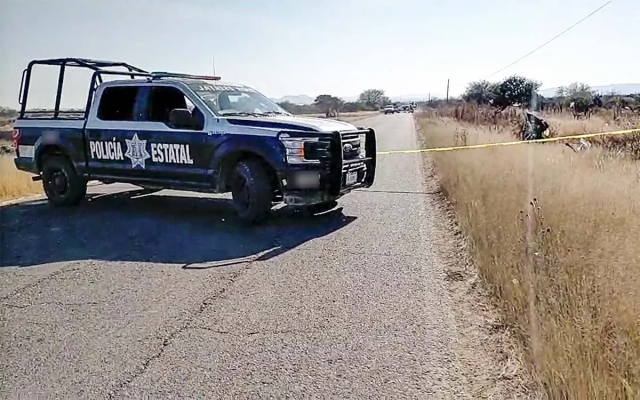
390, 109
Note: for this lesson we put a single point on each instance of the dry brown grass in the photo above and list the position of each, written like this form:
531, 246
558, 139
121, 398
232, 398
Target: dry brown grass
15, 183
560, 124
574, 299
5, 126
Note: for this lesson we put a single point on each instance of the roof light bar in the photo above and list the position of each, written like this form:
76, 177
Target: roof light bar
162, 74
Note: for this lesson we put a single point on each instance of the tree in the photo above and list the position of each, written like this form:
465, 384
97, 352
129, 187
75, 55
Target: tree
581, 95
580, 92
328, 104
577, 89
372, 97
515, 90
287, 106
351, 106
480, 92
337, 105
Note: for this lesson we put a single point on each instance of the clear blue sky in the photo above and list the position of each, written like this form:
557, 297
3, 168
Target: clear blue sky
290, 47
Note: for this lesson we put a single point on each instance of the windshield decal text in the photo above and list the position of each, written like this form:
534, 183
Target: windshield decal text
222, 88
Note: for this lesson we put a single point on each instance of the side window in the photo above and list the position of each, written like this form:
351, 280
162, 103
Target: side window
163, 99
117, 103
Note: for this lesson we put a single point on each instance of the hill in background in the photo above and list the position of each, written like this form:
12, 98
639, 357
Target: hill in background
307, 100
618, 88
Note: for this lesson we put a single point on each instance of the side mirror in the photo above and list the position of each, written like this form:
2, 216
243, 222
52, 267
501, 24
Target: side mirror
180, 118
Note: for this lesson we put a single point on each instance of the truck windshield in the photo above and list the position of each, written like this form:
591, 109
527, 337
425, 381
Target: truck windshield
228, 100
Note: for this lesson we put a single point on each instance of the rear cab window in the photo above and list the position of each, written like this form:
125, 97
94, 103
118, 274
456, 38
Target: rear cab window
119, 103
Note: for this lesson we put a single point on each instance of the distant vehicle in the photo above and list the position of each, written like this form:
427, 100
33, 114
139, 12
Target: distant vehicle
163, 130
400, 108
390, 109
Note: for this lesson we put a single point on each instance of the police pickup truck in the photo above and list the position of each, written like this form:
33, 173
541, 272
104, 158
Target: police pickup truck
162, 130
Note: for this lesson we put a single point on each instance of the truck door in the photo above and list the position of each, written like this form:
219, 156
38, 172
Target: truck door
173, 153
112, 120
129, 136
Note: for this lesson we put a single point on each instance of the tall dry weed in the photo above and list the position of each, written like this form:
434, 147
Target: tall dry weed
560, 124
556, 237
15, 183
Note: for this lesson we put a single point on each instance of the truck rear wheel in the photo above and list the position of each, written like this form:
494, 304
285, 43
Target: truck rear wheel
62, 185
251, 191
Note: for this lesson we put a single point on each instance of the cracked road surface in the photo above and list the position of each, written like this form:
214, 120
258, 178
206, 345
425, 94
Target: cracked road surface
162, 295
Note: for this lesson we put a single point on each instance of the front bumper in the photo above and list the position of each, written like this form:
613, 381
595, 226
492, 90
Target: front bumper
338, 173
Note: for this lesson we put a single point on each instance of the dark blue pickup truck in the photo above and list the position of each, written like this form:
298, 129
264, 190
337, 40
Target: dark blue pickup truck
164, 130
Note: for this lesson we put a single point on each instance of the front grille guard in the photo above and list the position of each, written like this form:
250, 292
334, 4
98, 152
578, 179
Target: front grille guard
336, 162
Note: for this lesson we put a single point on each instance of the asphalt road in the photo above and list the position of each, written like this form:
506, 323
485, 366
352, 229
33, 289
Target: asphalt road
164, 296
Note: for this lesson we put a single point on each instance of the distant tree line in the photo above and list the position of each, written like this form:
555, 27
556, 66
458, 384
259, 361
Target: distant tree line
369, 100
512, 91
520, 91
329, 105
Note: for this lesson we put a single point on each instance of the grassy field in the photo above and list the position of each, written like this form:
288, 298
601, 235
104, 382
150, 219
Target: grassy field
555, 236
560, 124
14, 183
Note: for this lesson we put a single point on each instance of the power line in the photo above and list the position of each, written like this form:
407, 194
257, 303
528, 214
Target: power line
552, 39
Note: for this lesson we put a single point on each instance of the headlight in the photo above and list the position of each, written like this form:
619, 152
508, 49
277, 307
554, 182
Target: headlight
295, 149
363, 142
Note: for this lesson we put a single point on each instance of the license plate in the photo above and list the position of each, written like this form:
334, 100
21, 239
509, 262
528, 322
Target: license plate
352, 177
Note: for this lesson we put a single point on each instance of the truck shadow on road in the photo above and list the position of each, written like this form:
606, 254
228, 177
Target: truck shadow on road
189, 231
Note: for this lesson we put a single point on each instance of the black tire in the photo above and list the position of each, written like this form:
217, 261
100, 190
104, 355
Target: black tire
62, 185
321, 207
252, 192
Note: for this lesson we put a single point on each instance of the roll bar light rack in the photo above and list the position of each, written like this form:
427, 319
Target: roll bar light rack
100, 68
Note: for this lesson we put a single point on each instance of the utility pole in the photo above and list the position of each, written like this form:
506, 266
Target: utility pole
447, 90
214, 65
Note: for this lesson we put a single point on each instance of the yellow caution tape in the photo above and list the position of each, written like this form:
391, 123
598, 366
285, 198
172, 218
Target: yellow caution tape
482, 146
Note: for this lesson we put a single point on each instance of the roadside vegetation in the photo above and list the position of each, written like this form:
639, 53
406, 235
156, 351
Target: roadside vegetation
345, 116
554, 234
15, 183
370, 100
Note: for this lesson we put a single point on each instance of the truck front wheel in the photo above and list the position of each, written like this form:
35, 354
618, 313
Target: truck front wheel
62, 185
251, 191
